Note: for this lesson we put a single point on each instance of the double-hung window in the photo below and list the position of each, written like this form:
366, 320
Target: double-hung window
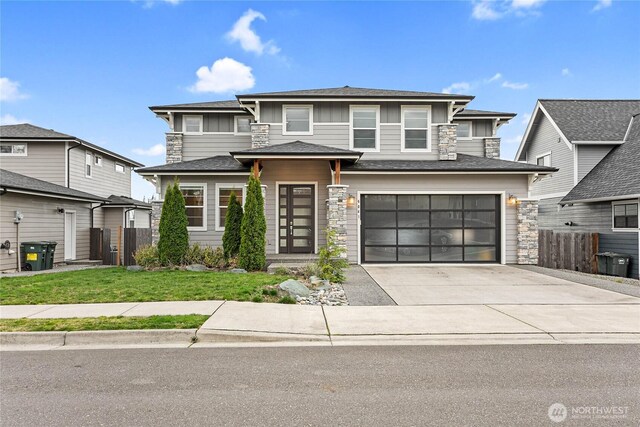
13, 149
464, 130
223, 193
625, 215
415, 128
195, 200
544, 159
297, 120
242, 124
88, 171
365, 128
97, 160
192, 124
119, 168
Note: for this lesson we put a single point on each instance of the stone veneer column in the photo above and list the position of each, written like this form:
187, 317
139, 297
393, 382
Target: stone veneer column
492, 148
156, 211
259, 135
174, 147
447, 139
527, 229
337, 214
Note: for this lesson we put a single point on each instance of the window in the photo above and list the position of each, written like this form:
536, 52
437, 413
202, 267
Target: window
195, 199
464, 130
88, 165
119, 168
243, 124
297, 120
132, 219
365, 127
223, 193
192, 124
415, 128
13, 149
544, 160
625, 215
97, 160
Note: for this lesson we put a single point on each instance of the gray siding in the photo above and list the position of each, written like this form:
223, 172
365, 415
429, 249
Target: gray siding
44, 160
482, 128
105, 180
113, 218
591, 217
41, 222
212, 122
589, 156
545, 138
473, 147
625, 243
511, 184
201, 146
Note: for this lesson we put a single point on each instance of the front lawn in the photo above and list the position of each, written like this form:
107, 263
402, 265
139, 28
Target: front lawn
119, 285
189, 321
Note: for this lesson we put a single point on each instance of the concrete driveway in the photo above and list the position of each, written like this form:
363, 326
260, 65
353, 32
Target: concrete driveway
495, 284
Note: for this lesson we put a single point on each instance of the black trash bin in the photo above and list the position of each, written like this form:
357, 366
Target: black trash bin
613, 264
51, 251
33, 255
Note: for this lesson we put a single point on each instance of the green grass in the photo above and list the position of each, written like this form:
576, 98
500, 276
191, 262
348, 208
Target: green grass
103, 323
120, 285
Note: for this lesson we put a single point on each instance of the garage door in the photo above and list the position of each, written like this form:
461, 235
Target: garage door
421, 228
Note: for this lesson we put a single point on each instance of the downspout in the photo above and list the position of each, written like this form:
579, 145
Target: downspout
125, 216
92, 209
69, 164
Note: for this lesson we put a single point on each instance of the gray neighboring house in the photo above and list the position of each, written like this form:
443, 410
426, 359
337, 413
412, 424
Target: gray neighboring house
401, 176
67, 161
595, 144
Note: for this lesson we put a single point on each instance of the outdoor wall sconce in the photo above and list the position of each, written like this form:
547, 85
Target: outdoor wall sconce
60, 210
351, 201
512, 199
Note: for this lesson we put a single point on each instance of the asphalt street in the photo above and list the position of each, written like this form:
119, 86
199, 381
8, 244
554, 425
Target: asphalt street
405, 385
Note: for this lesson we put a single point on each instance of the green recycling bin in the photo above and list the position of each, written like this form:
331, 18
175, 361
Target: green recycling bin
33, 255
51, 251
613, 264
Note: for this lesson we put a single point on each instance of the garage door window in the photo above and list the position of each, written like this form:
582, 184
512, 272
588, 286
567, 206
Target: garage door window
430, 228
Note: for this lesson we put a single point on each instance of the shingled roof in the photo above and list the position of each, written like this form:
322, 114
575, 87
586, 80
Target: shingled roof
352, 92
298, 147
214, 105
118, 201
483, 113
209, 164
617, 176
19, 183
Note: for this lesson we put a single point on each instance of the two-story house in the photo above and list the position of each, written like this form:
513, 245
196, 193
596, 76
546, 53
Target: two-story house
401, 176
39, 168
595, 144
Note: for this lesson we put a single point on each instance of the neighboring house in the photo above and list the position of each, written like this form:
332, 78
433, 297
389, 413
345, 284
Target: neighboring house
401, 176
596, 146
67, 161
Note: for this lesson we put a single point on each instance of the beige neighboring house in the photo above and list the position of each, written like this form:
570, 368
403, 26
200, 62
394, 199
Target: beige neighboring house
401, 176
99, 179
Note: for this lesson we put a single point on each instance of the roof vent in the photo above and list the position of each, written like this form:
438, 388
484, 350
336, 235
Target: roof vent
346, 86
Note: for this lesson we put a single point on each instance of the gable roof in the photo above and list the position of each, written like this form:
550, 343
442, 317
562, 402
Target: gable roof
26, 132
298, 147
352, 92
617, 176
214, 105
119, 201
209, 164
483, 113
18, 183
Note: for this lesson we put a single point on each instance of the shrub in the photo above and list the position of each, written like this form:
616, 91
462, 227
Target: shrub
147, 256
194, 255
287, 300
213, 258
311, 269
283, 271
257, 298
232, 225
252, 254
330, 261
174, 238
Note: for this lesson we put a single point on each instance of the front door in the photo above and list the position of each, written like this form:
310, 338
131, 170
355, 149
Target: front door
69, 235
296, 219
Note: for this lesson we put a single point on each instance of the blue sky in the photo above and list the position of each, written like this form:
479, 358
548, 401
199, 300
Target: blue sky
91, 69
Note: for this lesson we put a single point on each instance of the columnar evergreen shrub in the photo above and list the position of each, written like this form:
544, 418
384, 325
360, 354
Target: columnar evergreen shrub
232, 237
174, 238
330, 260
253, 255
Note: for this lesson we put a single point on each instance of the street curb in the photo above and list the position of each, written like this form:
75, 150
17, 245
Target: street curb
130, 337
214, 335
51, 339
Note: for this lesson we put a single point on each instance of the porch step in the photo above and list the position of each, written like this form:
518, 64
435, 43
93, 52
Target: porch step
295, 258
84, 262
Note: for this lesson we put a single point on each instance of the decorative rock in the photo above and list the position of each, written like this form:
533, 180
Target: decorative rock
196, 267
315, 280
237, 270
294, 288
135, 268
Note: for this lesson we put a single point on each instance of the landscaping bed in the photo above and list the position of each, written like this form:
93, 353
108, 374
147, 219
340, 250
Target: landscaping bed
189, 321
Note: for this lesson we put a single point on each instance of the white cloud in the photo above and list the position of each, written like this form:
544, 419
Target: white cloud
457, 87
601, 4
147, 4
156, 150
10, 119
225, 75
526, 4
484, 11
10, 90
250, 41
514, 86
496, 76
566, 72
491, 10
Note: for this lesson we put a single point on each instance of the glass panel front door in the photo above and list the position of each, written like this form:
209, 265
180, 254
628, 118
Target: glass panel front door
296, 219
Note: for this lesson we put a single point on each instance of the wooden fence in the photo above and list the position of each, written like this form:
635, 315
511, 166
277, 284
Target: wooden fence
100, 245
568, 251
134, 238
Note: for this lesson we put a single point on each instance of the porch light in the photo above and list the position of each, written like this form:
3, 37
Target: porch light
351, 201
512, 199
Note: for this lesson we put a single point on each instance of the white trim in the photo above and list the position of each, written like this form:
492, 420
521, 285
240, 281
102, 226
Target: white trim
74, 241
88, 161
195, 111
330, 123
391, 124
626, 134
538, 108
284, 119
439, 172
503, 216
277, 212
597, 142
358, 99
12, 144
301, 156
376, 108
602, 199
97, 160
235, 125
53, 196
405, 108
624, 202
545, 154
204, 202
232, 186
179, 173
66, 163
115, 167
200, 117
470, 137
575, 166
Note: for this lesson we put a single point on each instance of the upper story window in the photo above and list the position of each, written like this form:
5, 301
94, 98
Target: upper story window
464, 130
13, 150
415, 128
544, 159
242, 124
625, 215
365, 128
88, 164
97, 160
195, 200
297, 120
119, 168
192, 124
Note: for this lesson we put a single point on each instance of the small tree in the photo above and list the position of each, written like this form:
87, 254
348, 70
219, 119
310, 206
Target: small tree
232, 237
331, 259
174, 238
253, 229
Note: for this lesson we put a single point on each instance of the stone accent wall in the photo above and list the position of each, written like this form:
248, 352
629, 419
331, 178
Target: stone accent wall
259, 135
492, 148
337, 214
174, 147
447, 140
527, 226
156, 211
